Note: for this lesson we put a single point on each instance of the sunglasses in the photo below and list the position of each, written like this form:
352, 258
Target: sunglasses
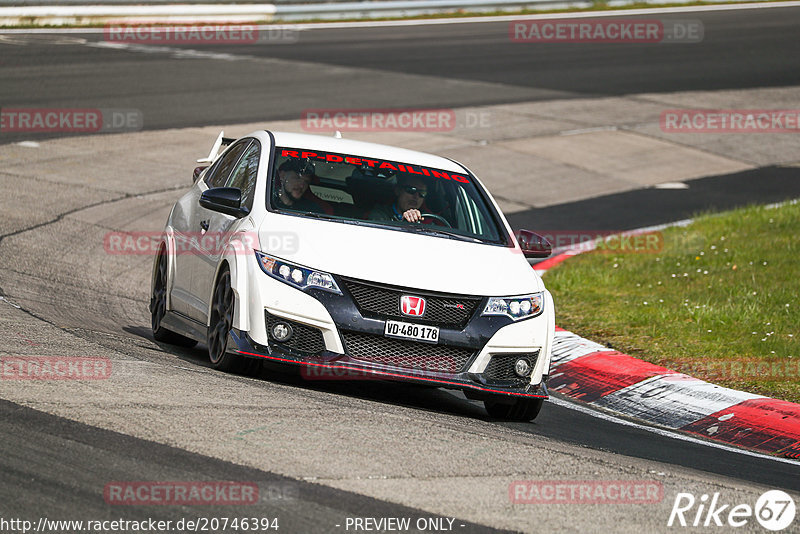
413, 190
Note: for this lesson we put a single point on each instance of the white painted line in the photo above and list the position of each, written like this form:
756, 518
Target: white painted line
29, 144
666, 433
3, 299
590, 130
671, 185
177, 53
190, 369
781, 204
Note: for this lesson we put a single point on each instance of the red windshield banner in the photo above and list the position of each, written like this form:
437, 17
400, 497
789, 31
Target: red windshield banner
331, 157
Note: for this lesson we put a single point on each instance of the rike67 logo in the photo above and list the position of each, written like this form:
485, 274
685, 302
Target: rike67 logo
774, 510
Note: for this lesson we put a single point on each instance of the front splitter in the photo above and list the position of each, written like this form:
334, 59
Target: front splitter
334, 366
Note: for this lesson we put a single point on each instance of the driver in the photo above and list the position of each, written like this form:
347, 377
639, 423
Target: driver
410, 193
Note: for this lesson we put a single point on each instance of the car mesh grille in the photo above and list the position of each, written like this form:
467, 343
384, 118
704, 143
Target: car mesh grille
408, 354
501, 366
440, 309
306, 339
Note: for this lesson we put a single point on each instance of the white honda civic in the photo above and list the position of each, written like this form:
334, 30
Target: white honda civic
355, 260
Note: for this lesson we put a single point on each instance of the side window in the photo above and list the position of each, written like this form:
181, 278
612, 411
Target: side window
244, 176
217, 176
464, 215
472, 217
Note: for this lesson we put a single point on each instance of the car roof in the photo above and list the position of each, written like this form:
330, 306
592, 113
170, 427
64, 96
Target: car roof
364, 149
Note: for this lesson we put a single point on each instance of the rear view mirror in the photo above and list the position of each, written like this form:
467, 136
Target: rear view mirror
226, 200
533, 245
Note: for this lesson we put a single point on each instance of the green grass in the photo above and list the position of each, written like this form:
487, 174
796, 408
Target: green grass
722, 292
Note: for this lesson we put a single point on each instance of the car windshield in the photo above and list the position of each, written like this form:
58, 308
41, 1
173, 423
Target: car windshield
372, 191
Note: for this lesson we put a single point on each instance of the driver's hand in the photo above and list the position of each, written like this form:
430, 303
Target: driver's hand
412, 215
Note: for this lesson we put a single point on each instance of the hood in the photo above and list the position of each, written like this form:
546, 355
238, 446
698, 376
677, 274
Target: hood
399, 258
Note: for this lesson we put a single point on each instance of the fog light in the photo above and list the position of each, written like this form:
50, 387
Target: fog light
281, 332
522, 367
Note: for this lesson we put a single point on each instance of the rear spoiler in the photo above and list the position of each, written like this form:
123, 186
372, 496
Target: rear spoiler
219, 143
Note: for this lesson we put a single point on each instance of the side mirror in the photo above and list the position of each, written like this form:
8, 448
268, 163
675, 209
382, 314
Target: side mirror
533, 245
225, 200
197, 172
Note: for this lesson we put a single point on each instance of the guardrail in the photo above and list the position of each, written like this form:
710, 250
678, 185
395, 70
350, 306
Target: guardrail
412, 7
284, 10
22, 3
93, 14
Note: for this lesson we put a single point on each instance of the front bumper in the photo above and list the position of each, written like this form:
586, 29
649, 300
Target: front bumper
334, 366
479, 343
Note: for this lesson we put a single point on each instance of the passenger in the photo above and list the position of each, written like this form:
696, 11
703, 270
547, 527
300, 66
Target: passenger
410, 193
292, 188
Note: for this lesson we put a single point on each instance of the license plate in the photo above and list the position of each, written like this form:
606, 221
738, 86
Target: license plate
417, 332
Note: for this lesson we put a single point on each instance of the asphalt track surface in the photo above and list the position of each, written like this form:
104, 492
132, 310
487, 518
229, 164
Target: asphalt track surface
750, 50
418, 66
42, 453
662, 206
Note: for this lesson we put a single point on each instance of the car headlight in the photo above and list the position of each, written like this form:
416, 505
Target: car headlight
515, 307
294, 275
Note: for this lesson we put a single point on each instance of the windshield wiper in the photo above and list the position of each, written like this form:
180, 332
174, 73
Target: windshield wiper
314, 214
328, 217
444, 233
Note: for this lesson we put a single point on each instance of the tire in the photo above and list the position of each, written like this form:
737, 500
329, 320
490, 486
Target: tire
158, 308
220, 323
519, 410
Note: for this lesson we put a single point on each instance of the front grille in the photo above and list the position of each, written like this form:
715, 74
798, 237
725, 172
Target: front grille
306, 339
501, 366
384, 301
408, 354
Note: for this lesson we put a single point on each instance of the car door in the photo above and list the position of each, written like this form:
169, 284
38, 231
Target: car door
182, 225
219, 226
198, 220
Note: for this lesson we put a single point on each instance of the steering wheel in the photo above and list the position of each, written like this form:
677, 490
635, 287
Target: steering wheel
436, 217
